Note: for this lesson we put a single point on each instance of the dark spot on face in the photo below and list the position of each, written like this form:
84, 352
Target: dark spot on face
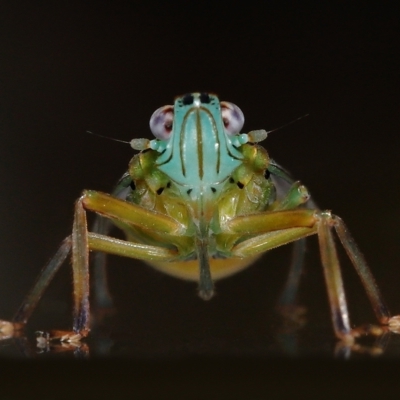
267, 174
132, 185
187, 99
240, 185
213, 189
160, 190
231, 180
163, 152
168, 185
205, 98
189, 191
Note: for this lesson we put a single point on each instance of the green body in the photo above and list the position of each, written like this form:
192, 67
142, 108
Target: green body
200, 179
200, 202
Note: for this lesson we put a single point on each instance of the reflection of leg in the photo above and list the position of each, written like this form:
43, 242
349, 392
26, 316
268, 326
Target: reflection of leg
101, 292
288, 297
99, 284
292, 316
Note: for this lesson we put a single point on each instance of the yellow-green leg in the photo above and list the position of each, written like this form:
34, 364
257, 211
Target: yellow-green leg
360, 264
333, 278
286, 226
81, 241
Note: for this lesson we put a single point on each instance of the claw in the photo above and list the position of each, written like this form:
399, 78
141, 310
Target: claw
6, 329
66, 337
74, 338
61, 341
368, 330
394, 324
42, 341
294, 317
9, 329
60, 336
345, 349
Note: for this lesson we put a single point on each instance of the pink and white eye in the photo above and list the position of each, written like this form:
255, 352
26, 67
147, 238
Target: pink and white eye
233, 118
161, 122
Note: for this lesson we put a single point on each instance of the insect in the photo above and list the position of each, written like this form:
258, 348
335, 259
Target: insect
200, 202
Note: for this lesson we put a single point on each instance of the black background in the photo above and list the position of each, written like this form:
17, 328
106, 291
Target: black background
105, 67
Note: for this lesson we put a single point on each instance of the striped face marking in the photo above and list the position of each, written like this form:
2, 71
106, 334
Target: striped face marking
197, 133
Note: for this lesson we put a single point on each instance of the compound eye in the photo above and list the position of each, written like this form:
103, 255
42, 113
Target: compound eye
161, 122
232, 117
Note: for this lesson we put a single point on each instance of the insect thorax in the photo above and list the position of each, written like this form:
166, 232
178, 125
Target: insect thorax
243, 190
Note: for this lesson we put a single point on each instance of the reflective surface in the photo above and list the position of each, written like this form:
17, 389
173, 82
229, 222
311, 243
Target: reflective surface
68, 69
159, 317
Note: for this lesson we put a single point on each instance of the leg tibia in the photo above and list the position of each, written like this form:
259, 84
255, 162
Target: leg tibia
80, 267
333, 277
123, 248
358, 260
268, 241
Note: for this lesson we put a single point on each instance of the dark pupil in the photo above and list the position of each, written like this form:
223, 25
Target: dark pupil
187, 99
205, 98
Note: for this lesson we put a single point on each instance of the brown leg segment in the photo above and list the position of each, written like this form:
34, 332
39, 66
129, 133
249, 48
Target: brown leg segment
333, 278
283, 227
358, 260
80, 267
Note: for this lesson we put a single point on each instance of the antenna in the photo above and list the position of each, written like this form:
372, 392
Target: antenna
107, 137
289, 123
261, 134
